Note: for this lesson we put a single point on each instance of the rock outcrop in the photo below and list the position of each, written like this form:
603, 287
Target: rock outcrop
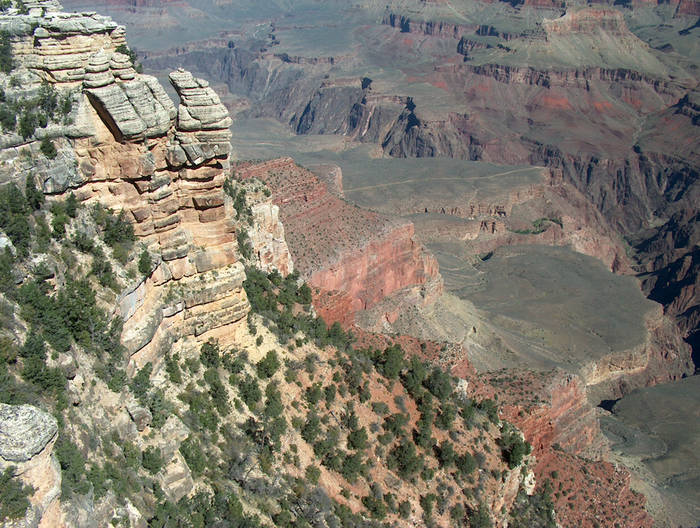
267, 238
352, 257
133, 150
134, 108
27, 436
570, 452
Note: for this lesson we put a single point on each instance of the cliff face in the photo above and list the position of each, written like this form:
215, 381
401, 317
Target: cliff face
172, 188
570, 451
353, 257
164, 167
27, 437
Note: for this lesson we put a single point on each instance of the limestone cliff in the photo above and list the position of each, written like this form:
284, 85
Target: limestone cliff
164, 166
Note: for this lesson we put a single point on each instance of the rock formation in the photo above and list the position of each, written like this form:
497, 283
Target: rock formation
354, 258
27, 436
162, 166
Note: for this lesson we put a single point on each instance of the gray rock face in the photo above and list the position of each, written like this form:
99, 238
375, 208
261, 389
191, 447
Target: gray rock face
140, 415
202, 122
136, 106
5, 242
24, 431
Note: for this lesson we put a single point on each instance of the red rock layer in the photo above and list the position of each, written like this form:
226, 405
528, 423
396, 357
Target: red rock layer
591, 495
553, 412
352, 257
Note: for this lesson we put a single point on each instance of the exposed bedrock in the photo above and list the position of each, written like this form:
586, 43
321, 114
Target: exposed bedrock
555, 416
353, 257
164, 166
27, 437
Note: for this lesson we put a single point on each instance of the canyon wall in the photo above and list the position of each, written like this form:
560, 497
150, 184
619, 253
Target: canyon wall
163, 167
353, 258
643, 180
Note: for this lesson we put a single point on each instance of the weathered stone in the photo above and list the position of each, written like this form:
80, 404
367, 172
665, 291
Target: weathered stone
140, 415
24, 431
266, 236
5, 242
176, 478
202, 122
209, 200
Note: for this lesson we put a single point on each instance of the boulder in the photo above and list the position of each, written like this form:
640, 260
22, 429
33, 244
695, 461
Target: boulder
24, 431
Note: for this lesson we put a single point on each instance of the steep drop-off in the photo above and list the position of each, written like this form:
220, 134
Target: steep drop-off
355, 258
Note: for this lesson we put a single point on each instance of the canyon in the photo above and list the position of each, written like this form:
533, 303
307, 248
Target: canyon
610, 122
453, 197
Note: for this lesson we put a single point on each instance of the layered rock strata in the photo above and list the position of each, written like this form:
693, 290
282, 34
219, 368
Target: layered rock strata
163, 166
354, 258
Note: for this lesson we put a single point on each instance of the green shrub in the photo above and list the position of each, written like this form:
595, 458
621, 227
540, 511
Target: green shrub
329, 393
102, 269
35, 198
244, 245
172, 367
439, 384
141, 382
273, 403
72, 467
446, 454
7, 62
312, 474
513, 446
217, 391
145, 263
352, 466
152, 460
313, 394
357, 439
404, 459
249, 391
480, 517
267, 366
427, 502
446, 417
414, 376
48, 149
210, 354
194, 456
311, 428
375, 506
390, 362
490, 408
8, 118
465, 463
14, 495
28, 121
